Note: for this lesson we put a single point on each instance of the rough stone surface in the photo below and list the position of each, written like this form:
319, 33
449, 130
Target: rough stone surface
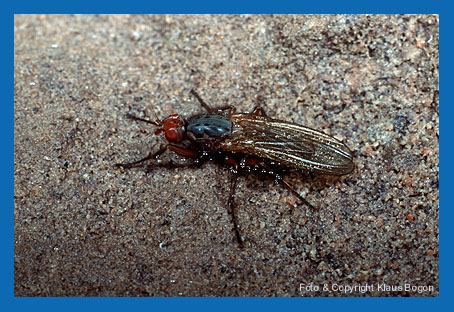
85, 228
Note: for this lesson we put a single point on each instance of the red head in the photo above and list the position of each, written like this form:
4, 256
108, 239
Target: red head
173, 128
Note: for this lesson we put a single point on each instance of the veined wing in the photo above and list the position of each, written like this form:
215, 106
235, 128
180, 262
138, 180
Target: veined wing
288, 144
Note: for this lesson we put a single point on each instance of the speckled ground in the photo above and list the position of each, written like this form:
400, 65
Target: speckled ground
85, 228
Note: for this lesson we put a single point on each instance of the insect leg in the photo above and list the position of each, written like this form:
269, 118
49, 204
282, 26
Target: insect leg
258, 110
198, 159
138, 162
208, 108
223, 108
232, 208
202, 102
288, 185
183, 151
186, 152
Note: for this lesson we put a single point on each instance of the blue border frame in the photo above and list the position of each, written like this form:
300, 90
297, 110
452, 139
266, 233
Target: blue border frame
233, 6
234, 304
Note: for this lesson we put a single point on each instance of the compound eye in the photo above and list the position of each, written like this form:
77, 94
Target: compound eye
171, 135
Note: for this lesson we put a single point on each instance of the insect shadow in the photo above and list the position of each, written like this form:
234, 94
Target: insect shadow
247, 142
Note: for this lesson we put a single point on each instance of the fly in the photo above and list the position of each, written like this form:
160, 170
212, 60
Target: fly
249, 142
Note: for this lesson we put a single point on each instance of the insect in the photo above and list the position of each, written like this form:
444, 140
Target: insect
249, 142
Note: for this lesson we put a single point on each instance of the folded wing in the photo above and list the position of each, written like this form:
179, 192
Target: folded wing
288, 144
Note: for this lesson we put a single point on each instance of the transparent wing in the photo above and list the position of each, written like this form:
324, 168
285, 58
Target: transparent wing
288, 144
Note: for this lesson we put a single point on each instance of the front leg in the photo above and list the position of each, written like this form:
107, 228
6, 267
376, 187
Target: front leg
183, 151
137, 163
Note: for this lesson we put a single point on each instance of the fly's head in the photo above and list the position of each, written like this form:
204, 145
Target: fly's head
173, 128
